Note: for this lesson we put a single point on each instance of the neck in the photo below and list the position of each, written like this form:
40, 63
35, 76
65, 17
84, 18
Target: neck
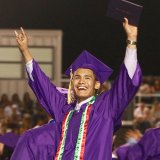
81, 100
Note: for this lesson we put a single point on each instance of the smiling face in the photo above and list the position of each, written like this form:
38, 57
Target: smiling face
84, 84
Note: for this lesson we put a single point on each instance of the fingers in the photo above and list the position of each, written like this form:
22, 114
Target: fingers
133, 133
126, 20
130, 133
17, 37
125, 23
16, 33
22, 30
20, 37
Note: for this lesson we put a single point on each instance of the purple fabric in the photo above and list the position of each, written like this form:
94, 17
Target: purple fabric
106, 113
9, 139
122, 152
38, 143
62, 90
87, 60
148, 148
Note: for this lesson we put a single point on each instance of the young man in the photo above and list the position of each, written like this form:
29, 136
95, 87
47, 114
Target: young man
84, 128
146, 148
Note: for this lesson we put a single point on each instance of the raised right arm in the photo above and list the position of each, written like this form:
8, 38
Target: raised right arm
22, 41
49, 97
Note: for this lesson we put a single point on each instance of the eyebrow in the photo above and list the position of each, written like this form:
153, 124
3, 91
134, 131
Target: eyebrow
89, 76
86, 75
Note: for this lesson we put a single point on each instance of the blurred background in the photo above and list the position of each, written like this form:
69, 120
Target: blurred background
85, 26
59, 30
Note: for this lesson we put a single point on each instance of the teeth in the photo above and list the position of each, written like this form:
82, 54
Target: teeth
81, 87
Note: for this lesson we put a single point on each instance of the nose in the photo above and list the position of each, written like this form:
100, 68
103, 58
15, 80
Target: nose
81, 80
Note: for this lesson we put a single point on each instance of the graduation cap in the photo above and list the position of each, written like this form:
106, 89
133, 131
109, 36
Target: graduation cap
9, 139
88, 61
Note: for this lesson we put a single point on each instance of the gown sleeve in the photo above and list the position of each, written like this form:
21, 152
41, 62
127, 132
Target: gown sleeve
121, 93
49, 97
121, 151
22, 150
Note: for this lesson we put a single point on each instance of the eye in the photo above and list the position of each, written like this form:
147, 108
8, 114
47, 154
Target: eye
76, 77
88, 78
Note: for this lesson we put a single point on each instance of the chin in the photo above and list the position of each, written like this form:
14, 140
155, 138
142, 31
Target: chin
83, 97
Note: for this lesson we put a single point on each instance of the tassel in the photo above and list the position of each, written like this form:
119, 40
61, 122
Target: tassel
69, 99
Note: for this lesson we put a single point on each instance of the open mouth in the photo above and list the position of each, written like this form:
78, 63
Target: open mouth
82, 88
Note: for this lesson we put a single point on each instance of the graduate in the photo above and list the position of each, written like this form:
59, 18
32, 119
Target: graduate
84, 128
148, 148
132, 137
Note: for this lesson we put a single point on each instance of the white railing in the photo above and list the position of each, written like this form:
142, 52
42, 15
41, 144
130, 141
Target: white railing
139, 98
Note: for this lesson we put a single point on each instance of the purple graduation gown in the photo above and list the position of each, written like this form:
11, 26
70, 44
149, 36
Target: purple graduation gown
38, 143
9, 139
105, 116
122, 151
148, 148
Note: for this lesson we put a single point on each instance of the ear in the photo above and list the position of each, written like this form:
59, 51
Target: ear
97, 85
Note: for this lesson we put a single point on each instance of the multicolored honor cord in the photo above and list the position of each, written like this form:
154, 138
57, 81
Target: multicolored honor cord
65, 123
80, 144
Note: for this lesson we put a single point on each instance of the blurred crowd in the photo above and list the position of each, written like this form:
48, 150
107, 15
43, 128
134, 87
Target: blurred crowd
147, 107
150, 85
18, 115
145, 117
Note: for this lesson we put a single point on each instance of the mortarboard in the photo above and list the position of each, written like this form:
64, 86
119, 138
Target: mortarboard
87, 60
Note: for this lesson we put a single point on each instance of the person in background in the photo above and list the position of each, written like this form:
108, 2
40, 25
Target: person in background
143, 147
132, 137
148, 147
28, 103
142, 117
